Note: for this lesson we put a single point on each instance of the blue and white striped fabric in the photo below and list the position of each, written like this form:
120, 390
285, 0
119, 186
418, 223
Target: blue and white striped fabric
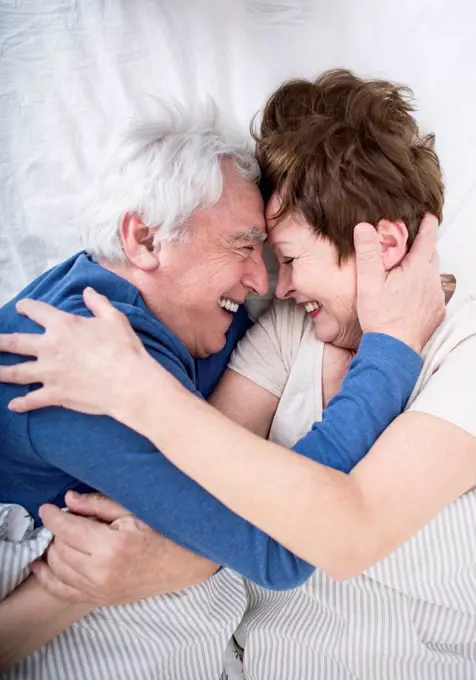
410, 617
181, 636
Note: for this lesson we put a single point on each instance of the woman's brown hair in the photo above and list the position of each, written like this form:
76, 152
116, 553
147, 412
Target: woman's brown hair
342, 150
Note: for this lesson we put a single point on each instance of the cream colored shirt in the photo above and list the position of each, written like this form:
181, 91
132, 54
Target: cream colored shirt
281, 354
412, 616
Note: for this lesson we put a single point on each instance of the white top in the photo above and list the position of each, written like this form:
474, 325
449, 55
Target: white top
413, 615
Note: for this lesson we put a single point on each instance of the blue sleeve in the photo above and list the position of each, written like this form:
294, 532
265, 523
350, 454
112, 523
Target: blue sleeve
380, 380
107, 456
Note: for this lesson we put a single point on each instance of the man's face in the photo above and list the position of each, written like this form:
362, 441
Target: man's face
203, 279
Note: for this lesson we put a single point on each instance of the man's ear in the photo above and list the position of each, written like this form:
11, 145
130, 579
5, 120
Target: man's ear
393, 238
138, 243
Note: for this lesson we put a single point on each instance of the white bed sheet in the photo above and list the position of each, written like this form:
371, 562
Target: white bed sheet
72, 69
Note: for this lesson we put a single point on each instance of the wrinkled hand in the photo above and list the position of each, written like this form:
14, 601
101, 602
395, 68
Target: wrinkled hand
104, 555
406, 302
82, 363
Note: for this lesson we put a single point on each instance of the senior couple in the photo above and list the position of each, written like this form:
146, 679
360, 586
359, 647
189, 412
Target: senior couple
319, 508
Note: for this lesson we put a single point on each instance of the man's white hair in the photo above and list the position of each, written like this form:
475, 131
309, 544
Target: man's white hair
162, 171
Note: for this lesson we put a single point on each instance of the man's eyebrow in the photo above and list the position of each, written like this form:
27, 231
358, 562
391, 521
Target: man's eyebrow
250, 236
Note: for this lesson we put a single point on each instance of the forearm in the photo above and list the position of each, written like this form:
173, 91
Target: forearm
177, 569
29, 618
308, 508
284, 494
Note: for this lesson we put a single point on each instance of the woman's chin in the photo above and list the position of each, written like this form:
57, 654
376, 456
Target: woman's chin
324, 334
328, 333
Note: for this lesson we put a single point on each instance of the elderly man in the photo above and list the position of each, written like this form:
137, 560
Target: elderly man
174, 233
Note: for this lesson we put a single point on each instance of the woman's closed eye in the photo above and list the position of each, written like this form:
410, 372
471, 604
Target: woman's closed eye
288, 260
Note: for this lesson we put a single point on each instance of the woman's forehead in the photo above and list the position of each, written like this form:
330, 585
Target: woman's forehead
288, 228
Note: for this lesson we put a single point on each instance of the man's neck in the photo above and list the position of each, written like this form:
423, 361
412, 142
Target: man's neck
121, 269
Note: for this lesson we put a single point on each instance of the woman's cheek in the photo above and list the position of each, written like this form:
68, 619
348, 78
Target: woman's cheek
304, 281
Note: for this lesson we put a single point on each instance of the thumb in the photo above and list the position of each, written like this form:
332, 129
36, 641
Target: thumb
98, 304
370, 269
95, 505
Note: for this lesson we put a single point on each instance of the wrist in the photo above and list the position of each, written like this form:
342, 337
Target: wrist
128, 403
150, 389
387, 347
402, 336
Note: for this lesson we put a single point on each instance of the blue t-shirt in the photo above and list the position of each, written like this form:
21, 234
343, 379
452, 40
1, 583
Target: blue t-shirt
47, 452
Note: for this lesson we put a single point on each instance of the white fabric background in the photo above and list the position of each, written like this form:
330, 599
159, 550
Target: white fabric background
72, 69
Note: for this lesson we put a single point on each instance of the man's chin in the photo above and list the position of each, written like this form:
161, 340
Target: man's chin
212, 346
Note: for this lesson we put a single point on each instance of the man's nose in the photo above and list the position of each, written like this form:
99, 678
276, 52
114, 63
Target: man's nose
256, 275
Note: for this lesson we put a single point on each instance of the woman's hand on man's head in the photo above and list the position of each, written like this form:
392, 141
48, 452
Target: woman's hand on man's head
91, 365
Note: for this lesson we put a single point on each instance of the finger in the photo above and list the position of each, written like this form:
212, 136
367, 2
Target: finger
24, 373
21, 343
98, 304
95, 505
62, 569
33, 400
370, 269
81, 533
41, 312
55, 587
424, 245
79, 564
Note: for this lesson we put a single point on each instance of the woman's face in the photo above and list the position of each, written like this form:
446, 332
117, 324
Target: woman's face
309, 273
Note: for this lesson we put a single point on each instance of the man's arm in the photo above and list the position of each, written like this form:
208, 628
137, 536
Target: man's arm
129, 469
96, 561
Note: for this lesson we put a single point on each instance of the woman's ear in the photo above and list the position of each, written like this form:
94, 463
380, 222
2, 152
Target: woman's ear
138, 243
393, 238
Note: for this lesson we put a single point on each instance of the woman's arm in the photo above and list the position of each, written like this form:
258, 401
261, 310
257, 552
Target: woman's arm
29, 618
245, 402
341, 523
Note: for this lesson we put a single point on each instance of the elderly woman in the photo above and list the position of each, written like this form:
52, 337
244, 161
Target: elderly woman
393, 541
